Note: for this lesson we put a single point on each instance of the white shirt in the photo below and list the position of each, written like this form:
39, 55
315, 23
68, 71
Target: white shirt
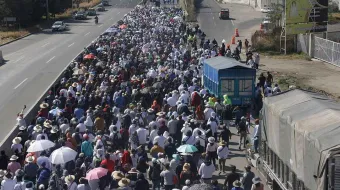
16, 147
64, 127
8, 184
81, 127
195, 132
161, 141
188, 140
132, 129
171, 101
40, 135
213, 126
142, 134
256, 131
222, 152
185, 129
153, 134
207, 113
201, 139
211, 148
203, 92
72, 186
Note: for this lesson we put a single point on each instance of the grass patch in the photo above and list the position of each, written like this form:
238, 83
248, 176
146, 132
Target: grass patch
289, 56
7, 36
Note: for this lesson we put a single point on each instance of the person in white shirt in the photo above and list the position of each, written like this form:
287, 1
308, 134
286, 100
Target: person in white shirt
213, 126
64, 127
16, 144
171, 100
185, 129
201, 138
222, 153
153, 134
8, 182
211, 149
256, 135
133, 127
160, 139
188, 138
184, 98
207, 112
206, 171
81, 127
142, 135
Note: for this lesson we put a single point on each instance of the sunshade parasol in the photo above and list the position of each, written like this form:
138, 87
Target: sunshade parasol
96, 173
63, 155
78, 72
55, 111
123, 26
89, 56
187, 148
100, 49
112, 30
40, 145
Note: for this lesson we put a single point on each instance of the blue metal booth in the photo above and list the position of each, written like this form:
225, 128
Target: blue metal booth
222, 75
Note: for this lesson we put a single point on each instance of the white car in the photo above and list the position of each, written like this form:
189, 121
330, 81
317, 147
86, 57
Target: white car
58, 26
266, 20
266, 9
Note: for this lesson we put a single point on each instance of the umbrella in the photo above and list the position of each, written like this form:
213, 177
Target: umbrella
89, 56
177, 18
123, 26
63, 155
100, 49
96, 173
112, 30
187, 148
40, 145
78, 72
55, 111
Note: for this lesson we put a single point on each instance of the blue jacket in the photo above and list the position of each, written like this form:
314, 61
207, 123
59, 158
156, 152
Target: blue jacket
87, 148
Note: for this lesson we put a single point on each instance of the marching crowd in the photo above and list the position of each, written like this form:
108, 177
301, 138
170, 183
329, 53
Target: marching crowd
130, 113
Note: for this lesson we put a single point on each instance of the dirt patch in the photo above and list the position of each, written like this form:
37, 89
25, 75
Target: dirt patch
309, 75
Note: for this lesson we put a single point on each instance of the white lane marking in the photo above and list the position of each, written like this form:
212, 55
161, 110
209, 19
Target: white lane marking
87, 33
100, 25
111, 18
20, 58
118, 13
70, 45
50, 59
232, 22
20, 83
45, 44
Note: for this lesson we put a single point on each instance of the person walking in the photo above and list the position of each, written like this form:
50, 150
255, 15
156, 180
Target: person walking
155, 174
206, 171
170, 178
231, 178
242, 128
237, 185
246, 45
222, 153
257, 185
211, 150
247, 178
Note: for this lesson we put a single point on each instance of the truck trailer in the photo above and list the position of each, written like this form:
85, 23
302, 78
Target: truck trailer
300, 141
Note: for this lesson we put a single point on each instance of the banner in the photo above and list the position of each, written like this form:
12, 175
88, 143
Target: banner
306, 16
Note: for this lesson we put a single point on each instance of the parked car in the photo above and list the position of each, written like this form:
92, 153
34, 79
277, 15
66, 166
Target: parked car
266, 9
105, 2
266, 20
91, 12
80, 15
101, 8
58, 26
224, 14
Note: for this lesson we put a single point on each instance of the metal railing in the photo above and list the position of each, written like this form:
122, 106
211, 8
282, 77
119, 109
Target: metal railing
327, 51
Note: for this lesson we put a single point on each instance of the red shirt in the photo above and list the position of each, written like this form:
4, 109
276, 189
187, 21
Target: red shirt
110, 165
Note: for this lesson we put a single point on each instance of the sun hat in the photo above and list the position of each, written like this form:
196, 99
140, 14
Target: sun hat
186, 166
47, 124
248, 167
30, 159
161, 113
222, 143
44, 105
3, 173
37, 128
22, 128
211, 139
54, 130
133, 170
69, 178
256, 180
117, 175
13, 158
17, 140
237, 183
124, 182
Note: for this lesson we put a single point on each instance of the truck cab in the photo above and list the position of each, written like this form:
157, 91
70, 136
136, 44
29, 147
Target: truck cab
224, 14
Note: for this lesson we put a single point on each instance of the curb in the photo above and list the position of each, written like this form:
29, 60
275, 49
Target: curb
16, 39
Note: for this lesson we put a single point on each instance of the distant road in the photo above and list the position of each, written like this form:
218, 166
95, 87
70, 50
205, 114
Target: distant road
34, 62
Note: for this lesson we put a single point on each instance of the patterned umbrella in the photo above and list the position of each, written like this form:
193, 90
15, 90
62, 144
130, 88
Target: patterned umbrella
187, 148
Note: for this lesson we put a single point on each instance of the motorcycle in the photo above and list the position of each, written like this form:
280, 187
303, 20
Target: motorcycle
236, 56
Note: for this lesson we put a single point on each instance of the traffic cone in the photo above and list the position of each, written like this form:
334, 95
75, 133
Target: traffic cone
236, 33
233, 40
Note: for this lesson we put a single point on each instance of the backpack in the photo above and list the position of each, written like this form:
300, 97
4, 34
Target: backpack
242, 126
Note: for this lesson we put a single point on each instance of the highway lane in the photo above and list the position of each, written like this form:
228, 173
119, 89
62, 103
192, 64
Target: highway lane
210, 23
34, 62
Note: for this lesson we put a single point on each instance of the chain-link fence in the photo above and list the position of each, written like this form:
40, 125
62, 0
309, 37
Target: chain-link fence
327, 51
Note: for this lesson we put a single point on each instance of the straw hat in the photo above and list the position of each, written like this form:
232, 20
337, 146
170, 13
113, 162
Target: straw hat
74, 84
16, 140
117, 175
211, 139
69, 178
161, 113
150, 110
22, 128
133, 170
44, 105
37, 128
237, 183
222, 143
29, 159
124, 182
13, 158
256, 180
3, 173
186, 167
47, 124
54, 130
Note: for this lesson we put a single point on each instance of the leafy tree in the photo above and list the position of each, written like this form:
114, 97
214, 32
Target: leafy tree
275, 15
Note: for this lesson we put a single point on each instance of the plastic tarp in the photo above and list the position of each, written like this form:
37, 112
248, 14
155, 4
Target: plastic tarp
303, 129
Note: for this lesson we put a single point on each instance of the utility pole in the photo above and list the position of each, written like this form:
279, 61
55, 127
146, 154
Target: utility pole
47, 12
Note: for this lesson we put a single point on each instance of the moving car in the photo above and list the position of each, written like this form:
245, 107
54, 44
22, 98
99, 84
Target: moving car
105, 2
58, 26
224, 14
91, 12
266, 9
80, 15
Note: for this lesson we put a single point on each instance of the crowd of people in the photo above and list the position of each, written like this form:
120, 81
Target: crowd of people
124, 107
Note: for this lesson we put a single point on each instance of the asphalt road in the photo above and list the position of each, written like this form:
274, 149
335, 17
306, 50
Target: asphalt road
210, 23
33, 63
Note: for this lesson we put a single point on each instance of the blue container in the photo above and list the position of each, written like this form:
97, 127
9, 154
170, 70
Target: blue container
222, 75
